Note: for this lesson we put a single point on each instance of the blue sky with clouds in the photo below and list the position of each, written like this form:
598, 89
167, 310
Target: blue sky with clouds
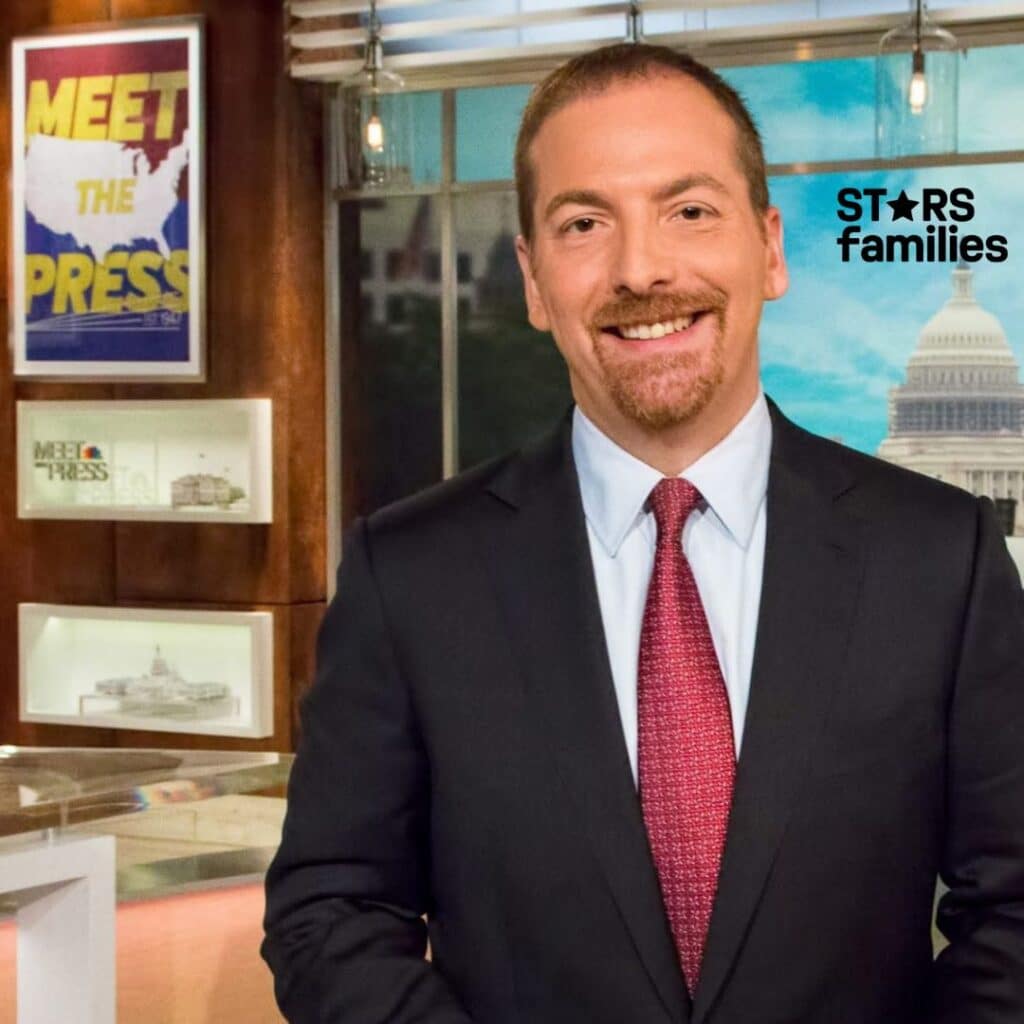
840, 339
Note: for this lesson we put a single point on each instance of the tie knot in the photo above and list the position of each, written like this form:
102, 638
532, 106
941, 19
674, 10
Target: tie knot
672, 501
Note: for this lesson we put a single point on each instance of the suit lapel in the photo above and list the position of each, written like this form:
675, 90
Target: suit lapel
812, 570
545, 581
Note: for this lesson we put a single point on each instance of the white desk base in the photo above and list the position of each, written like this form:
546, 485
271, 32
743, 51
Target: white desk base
66, 928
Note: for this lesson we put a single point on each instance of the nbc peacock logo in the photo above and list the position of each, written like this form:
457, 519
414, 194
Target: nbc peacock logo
90, 453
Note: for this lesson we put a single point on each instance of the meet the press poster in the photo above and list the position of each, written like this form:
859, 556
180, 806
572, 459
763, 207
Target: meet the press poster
106, 225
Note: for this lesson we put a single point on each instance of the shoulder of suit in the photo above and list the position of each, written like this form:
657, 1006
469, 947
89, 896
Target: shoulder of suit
443, 509
440, 504
873, 484
876, 489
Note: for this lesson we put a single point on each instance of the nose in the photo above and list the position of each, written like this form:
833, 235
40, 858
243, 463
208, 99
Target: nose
642, 262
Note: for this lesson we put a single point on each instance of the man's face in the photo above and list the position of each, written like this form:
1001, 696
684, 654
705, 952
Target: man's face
648, 262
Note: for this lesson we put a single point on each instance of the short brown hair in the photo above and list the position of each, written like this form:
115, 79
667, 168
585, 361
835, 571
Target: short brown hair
593, 72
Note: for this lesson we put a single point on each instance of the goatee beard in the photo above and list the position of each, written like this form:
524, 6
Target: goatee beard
669, 388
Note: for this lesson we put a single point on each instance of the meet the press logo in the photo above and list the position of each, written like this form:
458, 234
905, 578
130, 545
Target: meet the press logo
74, 461
883, 230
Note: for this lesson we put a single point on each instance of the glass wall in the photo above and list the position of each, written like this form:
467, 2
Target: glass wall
833, 349
392, 354
487, 155
512, 381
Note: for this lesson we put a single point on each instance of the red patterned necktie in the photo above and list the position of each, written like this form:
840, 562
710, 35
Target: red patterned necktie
686, 756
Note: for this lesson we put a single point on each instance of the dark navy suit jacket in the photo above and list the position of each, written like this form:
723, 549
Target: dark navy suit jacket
462, 758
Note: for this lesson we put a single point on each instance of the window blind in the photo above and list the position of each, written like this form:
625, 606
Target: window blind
475, 41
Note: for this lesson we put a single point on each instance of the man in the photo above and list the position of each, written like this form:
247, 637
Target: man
536, 678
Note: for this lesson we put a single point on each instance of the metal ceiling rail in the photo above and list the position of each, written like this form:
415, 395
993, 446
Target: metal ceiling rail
810, 39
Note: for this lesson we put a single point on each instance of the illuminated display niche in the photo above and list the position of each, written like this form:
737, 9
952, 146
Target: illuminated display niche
181, 461
168, 670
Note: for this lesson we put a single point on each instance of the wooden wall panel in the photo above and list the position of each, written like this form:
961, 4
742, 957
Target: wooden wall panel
37, 558
264, 137
305, 623
300, 310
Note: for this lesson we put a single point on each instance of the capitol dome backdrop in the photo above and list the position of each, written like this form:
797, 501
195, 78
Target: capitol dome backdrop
959, 415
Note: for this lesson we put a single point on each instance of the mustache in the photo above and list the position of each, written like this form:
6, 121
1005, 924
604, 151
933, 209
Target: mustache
649, 309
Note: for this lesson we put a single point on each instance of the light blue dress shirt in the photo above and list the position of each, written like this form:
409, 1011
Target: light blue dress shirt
724, 543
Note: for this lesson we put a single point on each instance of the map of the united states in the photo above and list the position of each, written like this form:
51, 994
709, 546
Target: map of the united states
56, 168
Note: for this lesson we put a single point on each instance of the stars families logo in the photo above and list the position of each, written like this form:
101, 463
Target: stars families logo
938, 211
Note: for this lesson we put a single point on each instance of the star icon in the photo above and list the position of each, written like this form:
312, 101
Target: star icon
902, 206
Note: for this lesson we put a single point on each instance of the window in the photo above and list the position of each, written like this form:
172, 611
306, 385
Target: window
397, 311
432, 265
835, 349
395, 264
391, 432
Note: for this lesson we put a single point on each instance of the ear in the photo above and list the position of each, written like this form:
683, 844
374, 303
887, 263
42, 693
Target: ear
535, 307
776, 276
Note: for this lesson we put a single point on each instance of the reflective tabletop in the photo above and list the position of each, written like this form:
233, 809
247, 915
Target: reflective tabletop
180, 817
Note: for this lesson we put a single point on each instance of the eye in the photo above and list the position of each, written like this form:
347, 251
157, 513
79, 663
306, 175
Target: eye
580, 226
692, 212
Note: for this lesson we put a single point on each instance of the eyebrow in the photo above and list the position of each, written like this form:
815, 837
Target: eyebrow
584, 197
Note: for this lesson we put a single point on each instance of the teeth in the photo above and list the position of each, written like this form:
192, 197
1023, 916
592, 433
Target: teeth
644, 332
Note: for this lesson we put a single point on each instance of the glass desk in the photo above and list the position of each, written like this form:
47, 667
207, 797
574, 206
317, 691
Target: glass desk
180, 818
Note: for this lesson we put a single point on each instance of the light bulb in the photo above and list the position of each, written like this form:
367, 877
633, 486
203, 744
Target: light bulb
918, 92
375, 133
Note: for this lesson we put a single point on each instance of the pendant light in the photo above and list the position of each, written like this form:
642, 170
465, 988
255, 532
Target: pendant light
378, 128
916, 83
634, 23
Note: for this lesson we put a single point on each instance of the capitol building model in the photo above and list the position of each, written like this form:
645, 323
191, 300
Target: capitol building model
960, 415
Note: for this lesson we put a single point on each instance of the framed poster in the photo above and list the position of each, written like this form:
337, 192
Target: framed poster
107, 204
174, 461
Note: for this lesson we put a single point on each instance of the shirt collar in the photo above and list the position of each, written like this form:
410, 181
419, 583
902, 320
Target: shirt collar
732, 476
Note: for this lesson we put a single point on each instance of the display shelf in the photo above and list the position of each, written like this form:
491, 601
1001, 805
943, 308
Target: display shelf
167, 670
178, 461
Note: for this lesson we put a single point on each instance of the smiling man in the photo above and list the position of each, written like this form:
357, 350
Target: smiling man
648, 248
677, 714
